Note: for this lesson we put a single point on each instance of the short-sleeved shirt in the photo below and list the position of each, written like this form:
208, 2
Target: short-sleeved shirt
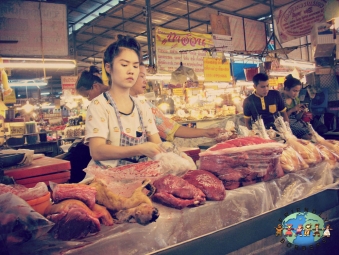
101, 121
267, 107
166, 126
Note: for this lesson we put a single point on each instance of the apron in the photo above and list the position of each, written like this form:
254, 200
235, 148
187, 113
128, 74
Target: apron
125, 139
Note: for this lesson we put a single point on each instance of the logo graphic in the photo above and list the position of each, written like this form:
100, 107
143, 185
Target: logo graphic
302, 229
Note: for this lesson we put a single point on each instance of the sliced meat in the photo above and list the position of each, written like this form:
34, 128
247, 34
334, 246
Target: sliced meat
207, 183
80, 192
176, 192
73, 220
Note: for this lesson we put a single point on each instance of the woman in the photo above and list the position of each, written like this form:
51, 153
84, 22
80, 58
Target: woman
292, 87
168, 129
90, 85
119, 129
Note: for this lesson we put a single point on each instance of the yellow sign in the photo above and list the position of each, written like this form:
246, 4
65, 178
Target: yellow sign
215, 70
11, 98
281, 79
178, 92
273, 82
169, 43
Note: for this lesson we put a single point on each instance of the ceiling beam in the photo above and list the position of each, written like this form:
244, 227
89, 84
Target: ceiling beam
118, 25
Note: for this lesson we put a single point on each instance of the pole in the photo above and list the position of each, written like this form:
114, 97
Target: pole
188, 16
74, 49
273, 32
149, 32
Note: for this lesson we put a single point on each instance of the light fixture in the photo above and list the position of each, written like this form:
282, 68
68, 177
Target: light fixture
26, 65
27, 107
26, 83
295, 63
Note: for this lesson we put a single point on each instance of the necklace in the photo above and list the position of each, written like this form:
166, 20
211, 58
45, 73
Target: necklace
126, 114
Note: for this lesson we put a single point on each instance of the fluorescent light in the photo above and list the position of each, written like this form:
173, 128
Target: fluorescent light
38, 65
294, 63
28, 83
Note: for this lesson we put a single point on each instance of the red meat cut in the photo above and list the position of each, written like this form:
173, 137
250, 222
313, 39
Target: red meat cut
207, 183
80, 192
176, 192
73, 220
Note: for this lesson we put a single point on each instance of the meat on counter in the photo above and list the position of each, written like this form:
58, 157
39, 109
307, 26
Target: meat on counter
74, 220
176, 192
77, 191
207, 182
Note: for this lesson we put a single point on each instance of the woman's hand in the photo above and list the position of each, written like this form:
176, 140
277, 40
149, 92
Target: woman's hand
212, 132
150, 149
298, 108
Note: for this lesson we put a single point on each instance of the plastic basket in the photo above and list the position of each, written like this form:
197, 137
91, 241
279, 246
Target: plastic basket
250, 72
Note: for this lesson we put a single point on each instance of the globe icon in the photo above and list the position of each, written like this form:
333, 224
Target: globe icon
303, 228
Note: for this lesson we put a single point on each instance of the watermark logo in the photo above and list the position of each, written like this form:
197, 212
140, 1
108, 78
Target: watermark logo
303, 230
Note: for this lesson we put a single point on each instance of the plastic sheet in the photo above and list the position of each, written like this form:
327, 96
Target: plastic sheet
174, 226
18, 222
291, 160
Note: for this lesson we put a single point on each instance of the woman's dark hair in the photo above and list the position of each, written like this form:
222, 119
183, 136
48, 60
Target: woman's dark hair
114, 50
86, 81
259, 77
291, 82
94, 69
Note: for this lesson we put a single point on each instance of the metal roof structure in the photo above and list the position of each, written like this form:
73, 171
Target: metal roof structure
96, 23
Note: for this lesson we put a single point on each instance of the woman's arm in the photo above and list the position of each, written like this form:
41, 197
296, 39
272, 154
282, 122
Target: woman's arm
186, 132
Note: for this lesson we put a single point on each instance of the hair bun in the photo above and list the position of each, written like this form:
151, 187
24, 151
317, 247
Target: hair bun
290, 76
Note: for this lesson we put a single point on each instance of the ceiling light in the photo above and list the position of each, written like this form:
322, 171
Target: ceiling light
25, 65
26, 83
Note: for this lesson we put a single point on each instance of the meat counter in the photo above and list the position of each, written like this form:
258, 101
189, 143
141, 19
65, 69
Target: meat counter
211, 221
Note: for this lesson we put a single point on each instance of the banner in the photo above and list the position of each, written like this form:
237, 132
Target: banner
215, 70
296, 19
68, 85
169, 42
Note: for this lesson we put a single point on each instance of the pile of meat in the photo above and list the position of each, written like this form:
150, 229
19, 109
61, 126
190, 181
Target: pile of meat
192, 189
243, 161
78, 209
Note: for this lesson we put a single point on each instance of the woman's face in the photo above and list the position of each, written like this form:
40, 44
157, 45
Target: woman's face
140, 86
95, 91
293, 92
125, 69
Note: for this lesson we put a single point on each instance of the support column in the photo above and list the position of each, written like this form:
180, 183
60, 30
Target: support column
149, 32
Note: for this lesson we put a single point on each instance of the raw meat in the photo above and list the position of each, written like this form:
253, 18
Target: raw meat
39, 190
176, 192
73, 220
80, 192
207, 183
240, 142
243, 160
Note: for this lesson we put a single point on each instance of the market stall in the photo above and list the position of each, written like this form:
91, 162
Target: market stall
242, 206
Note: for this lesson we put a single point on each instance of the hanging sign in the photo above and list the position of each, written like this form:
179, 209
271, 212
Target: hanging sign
169, 42
68, 85
296, 20
215, 70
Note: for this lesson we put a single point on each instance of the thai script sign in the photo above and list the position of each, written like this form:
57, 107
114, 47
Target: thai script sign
170, 42
296, 20
68, 85
215, 70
